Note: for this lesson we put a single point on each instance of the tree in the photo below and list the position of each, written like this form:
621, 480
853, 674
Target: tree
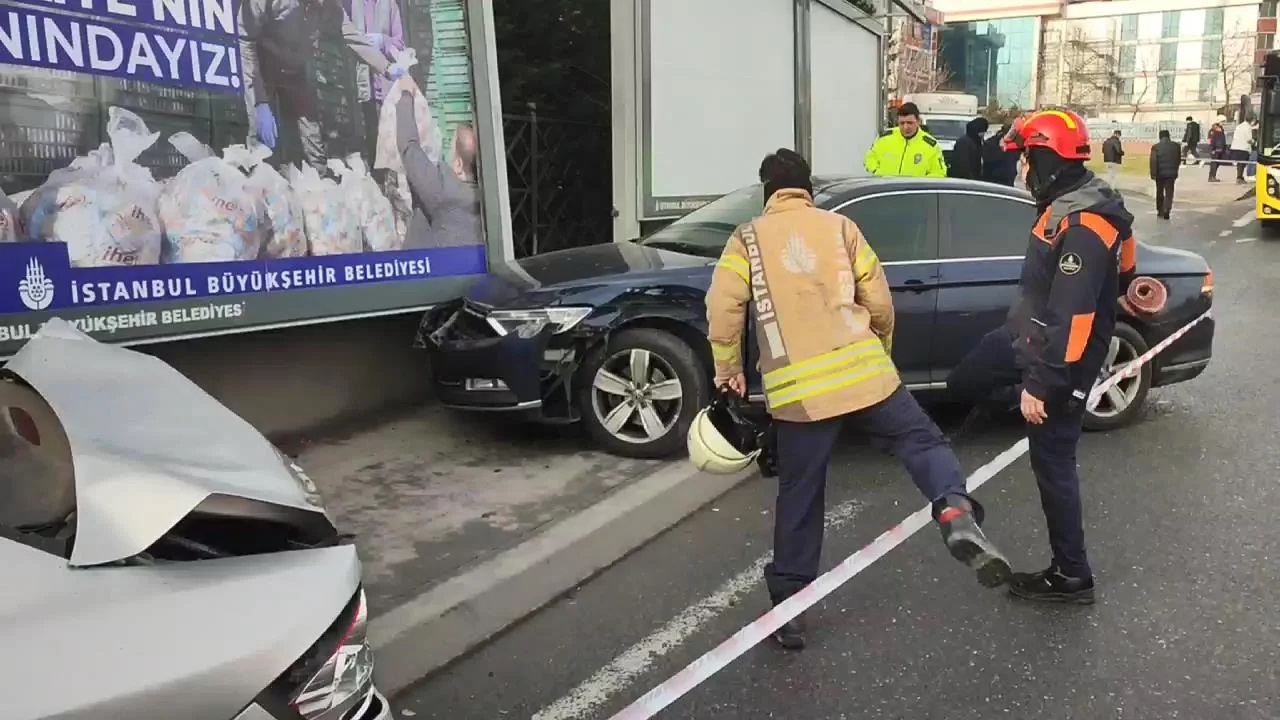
1139, 89
1237, 70
554, 53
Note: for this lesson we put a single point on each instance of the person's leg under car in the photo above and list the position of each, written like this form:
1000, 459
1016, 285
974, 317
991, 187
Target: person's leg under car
1069, 579
901, 428
988, 377
803, 454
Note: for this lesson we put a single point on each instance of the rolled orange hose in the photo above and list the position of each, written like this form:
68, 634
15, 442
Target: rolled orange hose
1147, 295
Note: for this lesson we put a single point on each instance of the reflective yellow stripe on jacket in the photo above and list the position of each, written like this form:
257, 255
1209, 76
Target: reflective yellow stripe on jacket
824, 373
730, 354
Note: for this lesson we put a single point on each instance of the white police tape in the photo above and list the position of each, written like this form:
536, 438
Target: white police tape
719, 657
1132, 368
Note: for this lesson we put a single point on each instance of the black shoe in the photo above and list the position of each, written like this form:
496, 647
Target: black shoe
768, 464
968, 544
1052, 585
791, 635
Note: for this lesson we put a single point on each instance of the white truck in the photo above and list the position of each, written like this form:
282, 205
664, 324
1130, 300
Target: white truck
945, 114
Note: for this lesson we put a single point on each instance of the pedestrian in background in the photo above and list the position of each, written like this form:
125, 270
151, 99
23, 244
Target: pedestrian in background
1217, 149
1241, 144
824, 327
999, 165
1190, 140
966, 157
907, 149
1166, 160
1112, 156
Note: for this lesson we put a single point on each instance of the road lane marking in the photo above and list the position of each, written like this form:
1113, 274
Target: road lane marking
1246, 239
1225, 233
623, 670
654, 701
1243, 220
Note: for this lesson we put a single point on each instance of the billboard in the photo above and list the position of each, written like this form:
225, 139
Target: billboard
181, 167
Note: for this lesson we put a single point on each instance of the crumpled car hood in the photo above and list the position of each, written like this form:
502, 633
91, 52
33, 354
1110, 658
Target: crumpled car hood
147, 444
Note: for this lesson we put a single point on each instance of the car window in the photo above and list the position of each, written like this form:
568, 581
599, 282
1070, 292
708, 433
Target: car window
706, 230
984, 226
897, 226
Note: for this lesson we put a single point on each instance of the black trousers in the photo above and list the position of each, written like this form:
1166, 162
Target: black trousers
1241, 157
991, 370
1164, 195
896, 425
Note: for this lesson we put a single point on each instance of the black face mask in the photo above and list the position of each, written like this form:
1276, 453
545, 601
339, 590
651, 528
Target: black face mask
1048, 174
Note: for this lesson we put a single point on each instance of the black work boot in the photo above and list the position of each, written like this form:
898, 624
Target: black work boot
791, 635
959, 520
1052, 585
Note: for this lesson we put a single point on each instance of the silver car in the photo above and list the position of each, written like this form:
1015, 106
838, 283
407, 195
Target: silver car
161, 559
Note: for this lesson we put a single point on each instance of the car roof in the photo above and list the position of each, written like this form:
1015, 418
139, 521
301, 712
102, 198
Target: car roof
844, 187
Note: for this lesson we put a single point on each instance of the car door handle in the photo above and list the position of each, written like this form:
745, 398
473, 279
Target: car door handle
915, 285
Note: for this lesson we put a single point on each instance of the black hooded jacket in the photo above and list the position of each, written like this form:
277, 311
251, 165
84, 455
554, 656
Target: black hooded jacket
966, 158
999, 165
1080, 259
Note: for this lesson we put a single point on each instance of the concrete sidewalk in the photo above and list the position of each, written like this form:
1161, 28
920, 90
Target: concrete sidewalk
467, 523
1193, 186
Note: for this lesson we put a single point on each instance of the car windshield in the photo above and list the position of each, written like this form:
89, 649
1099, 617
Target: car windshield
946, 129
704, 231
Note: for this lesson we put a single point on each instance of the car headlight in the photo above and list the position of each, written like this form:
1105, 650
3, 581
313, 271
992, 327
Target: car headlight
528, 323
1273, 188
342, 680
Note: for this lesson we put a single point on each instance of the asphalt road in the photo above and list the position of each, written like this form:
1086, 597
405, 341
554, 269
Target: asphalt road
1183, 521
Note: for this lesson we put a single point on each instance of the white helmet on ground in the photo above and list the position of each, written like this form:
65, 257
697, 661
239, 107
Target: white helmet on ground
721, 439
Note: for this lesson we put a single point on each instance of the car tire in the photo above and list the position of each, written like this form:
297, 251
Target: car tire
1104, 417
600, 398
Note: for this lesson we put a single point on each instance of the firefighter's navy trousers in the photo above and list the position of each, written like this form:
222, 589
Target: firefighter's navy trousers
991, 369
897, 425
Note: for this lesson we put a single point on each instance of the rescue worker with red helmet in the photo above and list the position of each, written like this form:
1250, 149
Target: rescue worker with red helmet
1080, 259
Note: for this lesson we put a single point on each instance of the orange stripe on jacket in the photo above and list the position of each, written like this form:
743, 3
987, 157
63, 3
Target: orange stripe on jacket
1100, 227
1078, 337
1128, 254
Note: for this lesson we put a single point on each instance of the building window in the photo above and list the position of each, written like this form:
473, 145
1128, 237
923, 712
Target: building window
1208, 86
1213, 21
1266, 41
1124, 93
1168, 57
1267, 9
1169, 21
1211, 54
1164, 89
1129, 27
1128, 58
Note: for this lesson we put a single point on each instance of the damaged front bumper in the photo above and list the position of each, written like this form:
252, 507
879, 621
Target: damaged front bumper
480, 364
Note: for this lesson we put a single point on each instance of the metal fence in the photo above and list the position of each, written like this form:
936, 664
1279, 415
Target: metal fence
1149, 131
558, 173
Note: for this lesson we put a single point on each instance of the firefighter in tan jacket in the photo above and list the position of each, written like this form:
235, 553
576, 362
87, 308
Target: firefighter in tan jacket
824, 325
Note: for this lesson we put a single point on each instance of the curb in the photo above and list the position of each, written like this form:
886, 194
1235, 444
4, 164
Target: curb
426, 633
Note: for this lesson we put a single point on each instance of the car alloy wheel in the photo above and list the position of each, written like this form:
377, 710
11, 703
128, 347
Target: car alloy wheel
636, 395
1123, 394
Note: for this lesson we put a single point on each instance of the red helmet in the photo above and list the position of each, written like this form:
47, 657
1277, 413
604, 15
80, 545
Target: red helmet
1062, 131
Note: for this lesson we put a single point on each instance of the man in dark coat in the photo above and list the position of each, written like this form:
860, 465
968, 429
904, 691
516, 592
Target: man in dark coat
966, 158
1191, 139
999, 165
1166, 159
1112, 156
1217, 149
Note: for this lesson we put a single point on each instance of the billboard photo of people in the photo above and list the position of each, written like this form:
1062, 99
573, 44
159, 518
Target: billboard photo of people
173, 167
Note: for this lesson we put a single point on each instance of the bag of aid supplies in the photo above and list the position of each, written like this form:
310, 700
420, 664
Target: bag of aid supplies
9, 223
207, 210
372, 208
387, 150
281, 220
333, 227
104, 204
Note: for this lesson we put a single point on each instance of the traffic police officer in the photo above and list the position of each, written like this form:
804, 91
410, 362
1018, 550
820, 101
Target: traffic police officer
1080, 259
907, 149
824, 325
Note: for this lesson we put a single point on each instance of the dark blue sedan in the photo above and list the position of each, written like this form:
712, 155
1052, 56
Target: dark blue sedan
614, 335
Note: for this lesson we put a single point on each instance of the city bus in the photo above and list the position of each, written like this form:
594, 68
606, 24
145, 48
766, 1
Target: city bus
1267, 202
